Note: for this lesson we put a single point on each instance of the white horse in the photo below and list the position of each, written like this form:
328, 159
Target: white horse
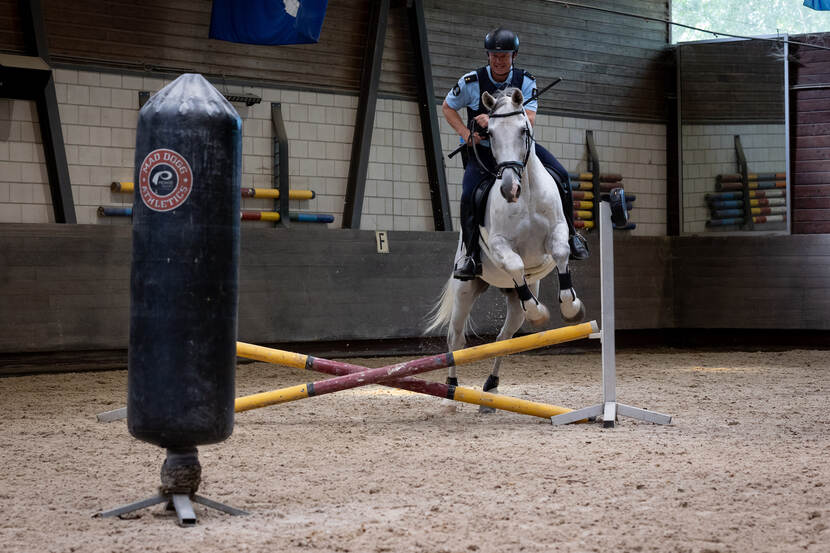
524, 238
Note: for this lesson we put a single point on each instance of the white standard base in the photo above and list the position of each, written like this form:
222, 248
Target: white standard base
609, 409
609, 413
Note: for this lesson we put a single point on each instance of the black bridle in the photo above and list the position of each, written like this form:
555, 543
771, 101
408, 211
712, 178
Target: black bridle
518, 167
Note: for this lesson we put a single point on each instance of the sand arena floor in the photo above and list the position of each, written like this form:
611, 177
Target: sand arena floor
743, 468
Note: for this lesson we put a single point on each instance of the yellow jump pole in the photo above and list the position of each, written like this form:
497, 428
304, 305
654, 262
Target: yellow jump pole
274, 193
410, 383
426, 364
268, 193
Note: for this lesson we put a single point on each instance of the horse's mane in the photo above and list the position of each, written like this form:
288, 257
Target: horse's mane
502, 96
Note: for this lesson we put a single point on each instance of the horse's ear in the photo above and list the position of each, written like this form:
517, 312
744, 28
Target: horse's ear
517, 97
488, 100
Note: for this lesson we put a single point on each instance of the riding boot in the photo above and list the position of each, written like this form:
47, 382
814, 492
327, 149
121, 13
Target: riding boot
578, 245
469, 266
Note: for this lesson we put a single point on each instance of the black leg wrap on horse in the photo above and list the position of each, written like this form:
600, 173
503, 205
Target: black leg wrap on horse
492, 383
524, 292
565, 281
452, 381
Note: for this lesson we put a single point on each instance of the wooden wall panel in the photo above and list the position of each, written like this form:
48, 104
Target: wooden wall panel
773, 282
161, 35
66, 287
11, 35
731, 82
810, 136
611, 65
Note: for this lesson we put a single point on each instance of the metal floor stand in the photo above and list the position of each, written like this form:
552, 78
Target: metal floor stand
609, 409
180, 480
182, 503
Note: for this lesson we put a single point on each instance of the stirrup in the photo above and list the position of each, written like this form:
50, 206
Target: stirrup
466, 268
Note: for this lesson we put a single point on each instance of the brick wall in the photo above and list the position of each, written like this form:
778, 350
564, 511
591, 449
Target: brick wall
99, 113
24, 194
709, 150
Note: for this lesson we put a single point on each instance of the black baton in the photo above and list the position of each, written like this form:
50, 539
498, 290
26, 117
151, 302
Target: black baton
460, 147
556, 81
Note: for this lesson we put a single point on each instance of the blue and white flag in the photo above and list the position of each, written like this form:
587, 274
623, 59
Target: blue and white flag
267, 21
818, 4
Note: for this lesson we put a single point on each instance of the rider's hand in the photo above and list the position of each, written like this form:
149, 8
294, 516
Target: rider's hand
482, 119
475, 136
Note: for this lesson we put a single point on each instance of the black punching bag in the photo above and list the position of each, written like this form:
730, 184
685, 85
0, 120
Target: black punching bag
185, 277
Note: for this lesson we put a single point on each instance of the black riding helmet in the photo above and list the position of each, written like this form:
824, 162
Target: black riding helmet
501, 40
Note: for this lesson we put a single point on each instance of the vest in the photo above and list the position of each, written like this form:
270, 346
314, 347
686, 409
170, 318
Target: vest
485, 84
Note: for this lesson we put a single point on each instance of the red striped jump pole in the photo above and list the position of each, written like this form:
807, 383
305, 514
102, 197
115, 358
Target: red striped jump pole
456, 393
396, 373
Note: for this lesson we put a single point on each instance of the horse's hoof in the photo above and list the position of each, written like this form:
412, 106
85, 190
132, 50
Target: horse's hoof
485, 410
544, 316
578, 316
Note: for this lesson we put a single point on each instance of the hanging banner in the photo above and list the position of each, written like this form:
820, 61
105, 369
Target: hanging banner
267, 21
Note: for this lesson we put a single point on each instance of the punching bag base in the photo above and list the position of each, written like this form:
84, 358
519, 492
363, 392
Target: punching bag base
180, 477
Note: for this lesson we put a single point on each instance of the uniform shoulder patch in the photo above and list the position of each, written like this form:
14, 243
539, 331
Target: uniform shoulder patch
530, 76
470, 78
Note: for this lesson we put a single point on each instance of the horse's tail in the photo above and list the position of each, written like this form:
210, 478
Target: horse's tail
441, 313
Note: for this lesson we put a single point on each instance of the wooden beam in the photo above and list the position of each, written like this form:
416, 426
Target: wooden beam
673, 146
40, 87
362, 142
55, 153
281, 164
34, 32
429, 120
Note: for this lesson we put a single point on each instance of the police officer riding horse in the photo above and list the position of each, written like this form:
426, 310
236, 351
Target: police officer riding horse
480, 167
516, 207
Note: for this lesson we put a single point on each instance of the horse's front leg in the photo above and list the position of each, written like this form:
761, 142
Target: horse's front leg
512, 322
570, 306
466, 293
505, 258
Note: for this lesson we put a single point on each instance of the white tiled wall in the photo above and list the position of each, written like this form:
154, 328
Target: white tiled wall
99, 113
24, 194
637, 151
709, 151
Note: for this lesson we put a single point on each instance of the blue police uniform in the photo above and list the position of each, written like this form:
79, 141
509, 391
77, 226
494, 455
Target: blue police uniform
467, 94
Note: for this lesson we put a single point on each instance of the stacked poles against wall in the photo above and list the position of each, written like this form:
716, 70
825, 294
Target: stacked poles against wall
747, 199
764, 197
596, 183
245, 214
585, 200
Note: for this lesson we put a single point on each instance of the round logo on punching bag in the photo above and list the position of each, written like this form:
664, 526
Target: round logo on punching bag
165, 180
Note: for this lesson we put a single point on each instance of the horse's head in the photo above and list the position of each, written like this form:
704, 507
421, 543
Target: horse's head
510, 139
